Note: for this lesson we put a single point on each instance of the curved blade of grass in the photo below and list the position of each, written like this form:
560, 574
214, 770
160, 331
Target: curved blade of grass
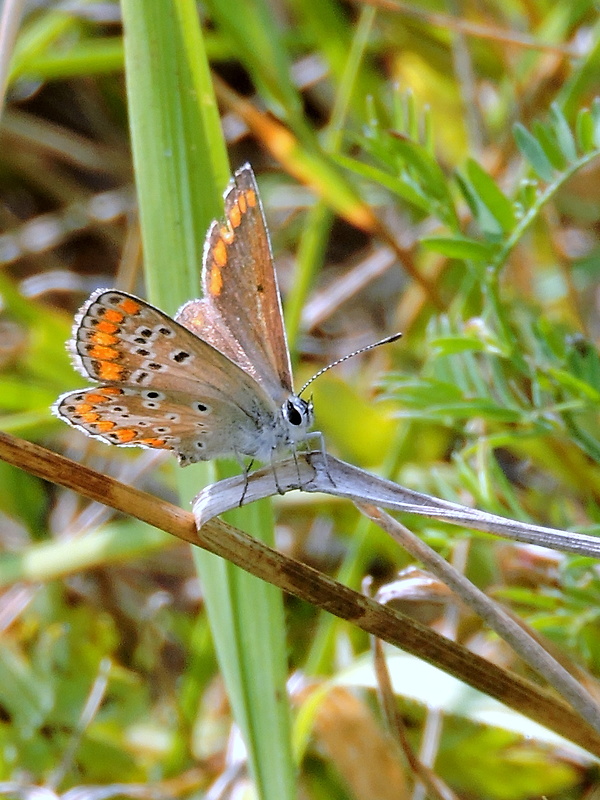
332, 34
96, 56
257, 40
36, 35
181, 170
11, 13
314, 239
89, 57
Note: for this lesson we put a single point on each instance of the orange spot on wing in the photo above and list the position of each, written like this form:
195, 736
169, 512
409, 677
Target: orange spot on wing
105, 326
243, 205
112, 315
112, 389
94, 399
220, 253
83, 408
153, 442
105, 425
235, 215
103, 353
125, 435
90, 416
216, 281
109, 372
250, 197
130, 306
101, 338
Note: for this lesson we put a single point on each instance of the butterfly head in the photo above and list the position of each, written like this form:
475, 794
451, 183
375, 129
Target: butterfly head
299, 416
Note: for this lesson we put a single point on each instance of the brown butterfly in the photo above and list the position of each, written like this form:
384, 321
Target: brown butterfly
217, 380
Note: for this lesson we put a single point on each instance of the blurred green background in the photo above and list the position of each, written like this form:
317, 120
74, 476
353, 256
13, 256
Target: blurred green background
427, 168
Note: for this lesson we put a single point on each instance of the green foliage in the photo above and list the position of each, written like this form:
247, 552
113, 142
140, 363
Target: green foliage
490, 398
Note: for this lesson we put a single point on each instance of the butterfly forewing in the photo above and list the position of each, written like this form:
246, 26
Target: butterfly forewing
153, 366
241, 313
121, 339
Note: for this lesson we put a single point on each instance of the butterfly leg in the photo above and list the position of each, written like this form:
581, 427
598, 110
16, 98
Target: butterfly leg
274, 468
318, 435
295, 455
246, 471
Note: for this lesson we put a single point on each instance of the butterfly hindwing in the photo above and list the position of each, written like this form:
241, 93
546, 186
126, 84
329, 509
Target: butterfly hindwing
196, 429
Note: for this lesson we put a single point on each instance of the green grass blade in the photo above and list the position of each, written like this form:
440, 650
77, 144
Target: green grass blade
179, 160
258, 40
181, 170
314, 239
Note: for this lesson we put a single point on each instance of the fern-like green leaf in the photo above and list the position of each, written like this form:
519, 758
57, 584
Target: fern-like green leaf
489, 193
416, 156
489, 225
564, 135
584, 128
596, 118
547, 138
533, 152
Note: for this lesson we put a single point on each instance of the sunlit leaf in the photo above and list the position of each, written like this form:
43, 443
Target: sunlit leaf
458, 247
490, 195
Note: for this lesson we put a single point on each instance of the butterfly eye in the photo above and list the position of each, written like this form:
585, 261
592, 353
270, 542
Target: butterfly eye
293, 414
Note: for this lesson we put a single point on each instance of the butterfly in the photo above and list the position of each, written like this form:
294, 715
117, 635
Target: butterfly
214, 381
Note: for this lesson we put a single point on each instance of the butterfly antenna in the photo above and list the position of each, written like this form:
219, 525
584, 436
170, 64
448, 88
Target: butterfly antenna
388, 339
